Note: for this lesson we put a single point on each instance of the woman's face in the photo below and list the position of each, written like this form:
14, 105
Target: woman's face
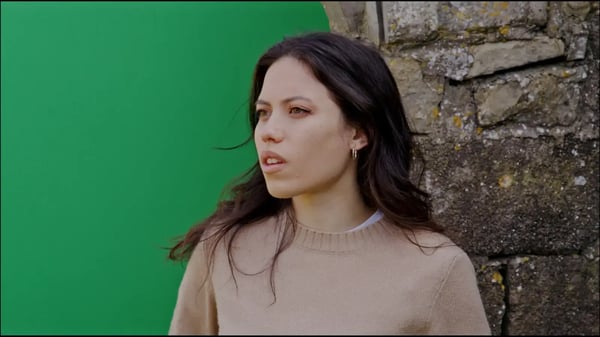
302, 140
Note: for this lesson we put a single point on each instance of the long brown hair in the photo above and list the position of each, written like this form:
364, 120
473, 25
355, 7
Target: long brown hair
362, 85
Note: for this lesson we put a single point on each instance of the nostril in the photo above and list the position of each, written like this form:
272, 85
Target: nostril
270, 136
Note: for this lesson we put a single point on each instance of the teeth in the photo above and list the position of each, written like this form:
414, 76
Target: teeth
272, 161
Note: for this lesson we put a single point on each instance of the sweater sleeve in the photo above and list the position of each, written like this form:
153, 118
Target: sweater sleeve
458, 308
195, 310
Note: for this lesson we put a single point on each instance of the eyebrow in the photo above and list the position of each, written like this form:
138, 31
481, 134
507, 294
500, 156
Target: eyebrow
287, 100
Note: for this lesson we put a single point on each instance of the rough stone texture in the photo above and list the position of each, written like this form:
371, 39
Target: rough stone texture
406, 21
541, 295
553, 100
555, 20
337, 21
590, 92
354, 11
451, 61
567, 21
420, 95
409, 21
479, 15
345, 17
589, 102
553, 295
575, 9
578, 44
497, 102
503, 98
489, 58
530, 103
545, 97
502, 197
371, 31
458, 62
458, 113
594, 36
490, 277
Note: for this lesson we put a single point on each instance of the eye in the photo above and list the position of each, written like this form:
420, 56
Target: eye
298, 111
261, 114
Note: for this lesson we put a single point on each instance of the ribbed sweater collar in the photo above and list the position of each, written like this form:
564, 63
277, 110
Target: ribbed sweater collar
374, 234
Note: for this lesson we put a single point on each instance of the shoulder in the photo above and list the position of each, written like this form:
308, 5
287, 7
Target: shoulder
433, 241
219, 242
247, 238
437, 258
262, 230
430, 247
217, 232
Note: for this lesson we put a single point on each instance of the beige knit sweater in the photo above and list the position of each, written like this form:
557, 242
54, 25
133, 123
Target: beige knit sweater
371, 281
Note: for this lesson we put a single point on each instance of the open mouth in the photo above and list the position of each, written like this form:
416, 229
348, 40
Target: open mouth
271, 162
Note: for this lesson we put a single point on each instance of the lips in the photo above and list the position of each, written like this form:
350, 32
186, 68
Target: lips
271, 162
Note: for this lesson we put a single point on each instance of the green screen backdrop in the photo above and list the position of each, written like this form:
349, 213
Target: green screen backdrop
110, 112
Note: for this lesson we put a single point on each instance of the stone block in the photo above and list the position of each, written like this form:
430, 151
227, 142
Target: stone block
451, 61
409, 20
575, 9
420, 95
544, 99
553, 295
514, 195
493, 291
482, 15
553, 100
459, 62
372, 22
459, 114
497, 102
491, 57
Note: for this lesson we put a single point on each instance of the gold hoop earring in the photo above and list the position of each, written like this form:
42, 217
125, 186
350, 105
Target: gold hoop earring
354, 154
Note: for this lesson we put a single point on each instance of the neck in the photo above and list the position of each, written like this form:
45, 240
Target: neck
331, 211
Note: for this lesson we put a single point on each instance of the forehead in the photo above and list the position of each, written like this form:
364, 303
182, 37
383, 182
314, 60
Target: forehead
290, 77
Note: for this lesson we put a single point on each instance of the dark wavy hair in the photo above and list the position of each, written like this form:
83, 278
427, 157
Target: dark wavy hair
360, 82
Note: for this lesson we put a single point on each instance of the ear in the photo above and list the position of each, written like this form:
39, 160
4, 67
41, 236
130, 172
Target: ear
359, 139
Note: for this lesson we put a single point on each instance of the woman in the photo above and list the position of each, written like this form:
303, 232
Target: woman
327, 235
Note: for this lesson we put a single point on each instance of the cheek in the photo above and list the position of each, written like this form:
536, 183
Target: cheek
324, 147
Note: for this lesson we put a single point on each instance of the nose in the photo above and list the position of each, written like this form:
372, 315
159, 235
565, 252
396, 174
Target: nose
270, 130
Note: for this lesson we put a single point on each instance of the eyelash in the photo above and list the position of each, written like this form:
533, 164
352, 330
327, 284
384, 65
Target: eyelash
259, 112
298, 108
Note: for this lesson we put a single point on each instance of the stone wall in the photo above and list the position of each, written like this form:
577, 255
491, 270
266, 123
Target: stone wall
503, 100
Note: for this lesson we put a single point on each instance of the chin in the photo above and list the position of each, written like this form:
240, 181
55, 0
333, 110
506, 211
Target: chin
281, 192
